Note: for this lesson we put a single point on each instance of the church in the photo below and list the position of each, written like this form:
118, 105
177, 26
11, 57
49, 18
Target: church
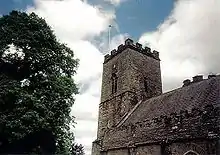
137, 118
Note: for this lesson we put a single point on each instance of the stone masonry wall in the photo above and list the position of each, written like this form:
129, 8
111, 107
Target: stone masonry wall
141, 150
135, 68
200, 146
199, 123
131, 69
115, 109
148, 150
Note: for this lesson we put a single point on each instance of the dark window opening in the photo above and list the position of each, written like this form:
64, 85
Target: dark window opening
165, 150
149, 87
145, 85
114, 83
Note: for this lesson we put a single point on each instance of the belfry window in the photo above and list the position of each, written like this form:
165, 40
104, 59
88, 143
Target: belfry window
114, 79
145, 85
114, 83
148, 87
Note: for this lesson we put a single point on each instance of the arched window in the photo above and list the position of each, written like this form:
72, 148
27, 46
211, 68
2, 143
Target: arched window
114, 83
114, 79
149, 87
191, 152
145, 85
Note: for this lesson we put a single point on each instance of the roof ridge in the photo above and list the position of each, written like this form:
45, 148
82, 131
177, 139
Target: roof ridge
129, 113
126, 117
193, 84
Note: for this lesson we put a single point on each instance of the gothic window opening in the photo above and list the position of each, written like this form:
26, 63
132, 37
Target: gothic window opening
114, 79
165, 150
114, 83
148, 87
145, 85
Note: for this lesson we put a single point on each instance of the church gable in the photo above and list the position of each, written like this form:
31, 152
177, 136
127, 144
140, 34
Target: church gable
196, 95
135, 118
148, 124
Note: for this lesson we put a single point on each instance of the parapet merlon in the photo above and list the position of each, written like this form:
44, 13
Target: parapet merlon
129, 43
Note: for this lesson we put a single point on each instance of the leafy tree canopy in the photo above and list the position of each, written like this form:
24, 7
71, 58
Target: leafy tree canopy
36, 84
77, 149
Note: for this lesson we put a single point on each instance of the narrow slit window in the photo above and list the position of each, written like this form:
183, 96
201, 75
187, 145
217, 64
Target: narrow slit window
114, 83
145, 85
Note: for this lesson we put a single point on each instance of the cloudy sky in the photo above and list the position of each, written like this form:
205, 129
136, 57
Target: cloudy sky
185, 32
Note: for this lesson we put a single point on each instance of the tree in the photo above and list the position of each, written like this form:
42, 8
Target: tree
77, 149
41, 142
36, 85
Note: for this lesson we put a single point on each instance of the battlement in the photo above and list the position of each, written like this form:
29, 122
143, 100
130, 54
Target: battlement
197, 78
176, 126
176, 119
129, 43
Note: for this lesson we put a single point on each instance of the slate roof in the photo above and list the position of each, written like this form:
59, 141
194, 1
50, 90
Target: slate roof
196, 95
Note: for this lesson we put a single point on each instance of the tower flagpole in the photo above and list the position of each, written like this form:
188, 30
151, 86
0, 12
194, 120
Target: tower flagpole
109, 37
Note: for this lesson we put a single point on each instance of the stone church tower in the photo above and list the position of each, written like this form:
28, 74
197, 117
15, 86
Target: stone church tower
135, 118
128, 77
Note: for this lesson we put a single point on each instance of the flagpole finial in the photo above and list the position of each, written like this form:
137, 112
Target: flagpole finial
109, 37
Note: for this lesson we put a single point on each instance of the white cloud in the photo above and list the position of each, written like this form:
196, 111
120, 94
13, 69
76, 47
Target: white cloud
117, 40
188, 41
90, 60
77, 23
73, 19
115, 2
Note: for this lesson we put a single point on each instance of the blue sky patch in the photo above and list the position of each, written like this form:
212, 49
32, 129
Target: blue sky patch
7, 6
138, 16
133, 16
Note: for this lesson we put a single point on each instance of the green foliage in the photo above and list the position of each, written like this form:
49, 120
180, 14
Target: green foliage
36, 85
77, 149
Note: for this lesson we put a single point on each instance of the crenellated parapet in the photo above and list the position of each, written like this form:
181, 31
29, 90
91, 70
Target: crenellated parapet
196, 79
197, 123
175, 119
129, 43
